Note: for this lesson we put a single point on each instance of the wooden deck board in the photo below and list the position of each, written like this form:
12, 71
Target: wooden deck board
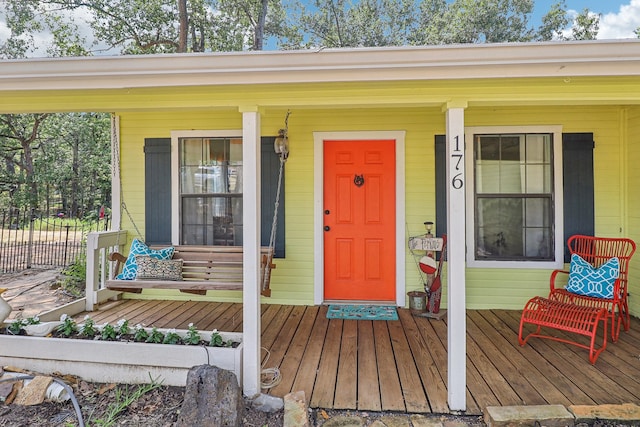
346, 395
325, 385
389, 381
402, 365
310, 361
433, 383
291, 363
412, 391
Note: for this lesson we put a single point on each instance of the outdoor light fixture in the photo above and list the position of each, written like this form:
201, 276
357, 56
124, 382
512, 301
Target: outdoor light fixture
281, 144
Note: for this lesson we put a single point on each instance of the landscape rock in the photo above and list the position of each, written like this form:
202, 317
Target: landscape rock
212, 398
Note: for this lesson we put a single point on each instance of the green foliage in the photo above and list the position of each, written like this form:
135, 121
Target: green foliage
88, 328
18, 325
155, 336
124, 397
192, 337
141, 334
122, 327
68, 327
217, 341
172, 337
108, 332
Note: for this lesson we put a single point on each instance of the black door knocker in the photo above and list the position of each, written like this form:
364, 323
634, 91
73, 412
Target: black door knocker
358, 180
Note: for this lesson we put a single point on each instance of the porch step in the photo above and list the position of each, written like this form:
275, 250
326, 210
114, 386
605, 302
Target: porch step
512, 416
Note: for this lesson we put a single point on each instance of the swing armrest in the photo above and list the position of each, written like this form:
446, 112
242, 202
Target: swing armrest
119, 259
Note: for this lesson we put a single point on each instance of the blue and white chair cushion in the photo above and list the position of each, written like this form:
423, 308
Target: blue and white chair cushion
584, 279
130, 268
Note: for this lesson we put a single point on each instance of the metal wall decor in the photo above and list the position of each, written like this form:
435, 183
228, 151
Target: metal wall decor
358, 180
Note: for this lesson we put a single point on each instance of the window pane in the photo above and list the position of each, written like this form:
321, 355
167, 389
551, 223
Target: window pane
539, 243
500, 222
537, 212
488, 147
211, 221
510, 147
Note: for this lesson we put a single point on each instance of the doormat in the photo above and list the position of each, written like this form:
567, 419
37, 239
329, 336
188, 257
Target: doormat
362, 312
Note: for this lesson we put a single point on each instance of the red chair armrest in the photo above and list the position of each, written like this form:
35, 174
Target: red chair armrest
552, 279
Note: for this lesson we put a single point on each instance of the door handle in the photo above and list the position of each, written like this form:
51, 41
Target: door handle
327, 228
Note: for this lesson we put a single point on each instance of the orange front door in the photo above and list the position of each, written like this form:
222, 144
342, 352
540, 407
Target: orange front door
359, 220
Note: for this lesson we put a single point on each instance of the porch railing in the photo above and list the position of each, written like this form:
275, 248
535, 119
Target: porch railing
99, 268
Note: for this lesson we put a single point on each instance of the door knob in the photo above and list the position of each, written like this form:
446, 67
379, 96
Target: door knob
327, 228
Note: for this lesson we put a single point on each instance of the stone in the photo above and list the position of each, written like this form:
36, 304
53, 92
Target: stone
395, 421
422, 421
512, 416
212, 398
34, 392
588, 413
295, 410
343, 421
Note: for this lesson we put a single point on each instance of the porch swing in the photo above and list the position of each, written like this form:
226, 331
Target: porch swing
197, 269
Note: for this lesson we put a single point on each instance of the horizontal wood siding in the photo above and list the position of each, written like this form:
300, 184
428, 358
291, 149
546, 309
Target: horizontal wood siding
632, 139
292, 281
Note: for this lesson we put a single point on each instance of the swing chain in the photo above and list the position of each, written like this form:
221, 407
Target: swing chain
124, 208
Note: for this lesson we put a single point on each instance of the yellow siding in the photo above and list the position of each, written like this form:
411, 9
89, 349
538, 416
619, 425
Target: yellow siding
292, 281
632, 139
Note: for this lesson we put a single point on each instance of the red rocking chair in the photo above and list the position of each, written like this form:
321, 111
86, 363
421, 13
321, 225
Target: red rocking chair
597, 251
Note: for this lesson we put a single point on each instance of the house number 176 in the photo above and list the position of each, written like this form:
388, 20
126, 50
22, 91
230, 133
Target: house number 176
457, 164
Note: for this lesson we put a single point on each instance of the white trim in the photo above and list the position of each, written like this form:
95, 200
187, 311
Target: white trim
318, 179
501, 60
251, 251
556, 130
175, 168
456, 271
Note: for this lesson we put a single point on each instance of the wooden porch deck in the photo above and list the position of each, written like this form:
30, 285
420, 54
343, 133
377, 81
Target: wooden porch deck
402, 365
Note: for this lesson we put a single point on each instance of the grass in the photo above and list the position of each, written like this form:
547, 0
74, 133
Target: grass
124, 397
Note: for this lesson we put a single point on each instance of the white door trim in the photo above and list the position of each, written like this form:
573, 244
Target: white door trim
318, 189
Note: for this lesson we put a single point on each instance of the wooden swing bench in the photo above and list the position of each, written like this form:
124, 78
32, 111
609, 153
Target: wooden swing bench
204, 268
580, 314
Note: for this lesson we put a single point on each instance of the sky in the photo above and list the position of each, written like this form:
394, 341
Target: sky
619, 17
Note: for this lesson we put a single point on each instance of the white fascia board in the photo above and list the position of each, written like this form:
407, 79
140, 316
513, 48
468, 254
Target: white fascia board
509, 60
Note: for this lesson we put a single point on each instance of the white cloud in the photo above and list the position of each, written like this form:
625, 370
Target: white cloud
622, 24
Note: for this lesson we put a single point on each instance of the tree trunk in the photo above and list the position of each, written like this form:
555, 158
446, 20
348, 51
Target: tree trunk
258, 41
184, 26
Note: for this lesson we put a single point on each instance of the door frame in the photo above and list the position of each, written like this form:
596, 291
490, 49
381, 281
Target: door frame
318, 194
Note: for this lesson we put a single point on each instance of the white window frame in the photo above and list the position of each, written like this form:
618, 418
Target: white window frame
558, 220
175, 169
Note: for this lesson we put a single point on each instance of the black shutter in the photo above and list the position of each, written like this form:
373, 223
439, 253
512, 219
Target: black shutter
157, 190
270, 168
577, 164
441, 184
158, 193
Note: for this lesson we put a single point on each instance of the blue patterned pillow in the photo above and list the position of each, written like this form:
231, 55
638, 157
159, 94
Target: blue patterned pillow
130, 268
584, 279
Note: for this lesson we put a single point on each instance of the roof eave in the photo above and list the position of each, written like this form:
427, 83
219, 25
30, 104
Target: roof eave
513, 60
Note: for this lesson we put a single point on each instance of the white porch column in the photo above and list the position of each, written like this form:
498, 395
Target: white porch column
456, 300
251, 242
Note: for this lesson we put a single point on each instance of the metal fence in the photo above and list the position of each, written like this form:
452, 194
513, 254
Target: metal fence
29, 239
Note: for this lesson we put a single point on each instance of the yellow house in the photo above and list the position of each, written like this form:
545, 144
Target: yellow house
508, 148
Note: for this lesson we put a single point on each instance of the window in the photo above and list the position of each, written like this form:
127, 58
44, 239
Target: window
513, 197
210, 191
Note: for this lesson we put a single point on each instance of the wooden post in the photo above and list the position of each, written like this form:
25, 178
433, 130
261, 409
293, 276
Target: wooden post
251, 252
456, 243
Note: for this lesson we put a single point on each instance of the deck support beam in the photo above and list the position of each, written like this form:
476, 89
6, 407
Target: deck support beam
251, 253
456, 243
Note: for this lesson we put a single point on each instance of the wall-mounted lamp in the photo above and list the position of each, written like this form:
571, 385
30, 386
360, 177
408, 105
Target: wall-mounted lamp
281, 144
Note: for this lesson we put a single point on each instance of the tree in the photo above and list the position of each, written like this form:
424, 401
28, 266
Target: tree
584, 25
142, 26
18, 141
